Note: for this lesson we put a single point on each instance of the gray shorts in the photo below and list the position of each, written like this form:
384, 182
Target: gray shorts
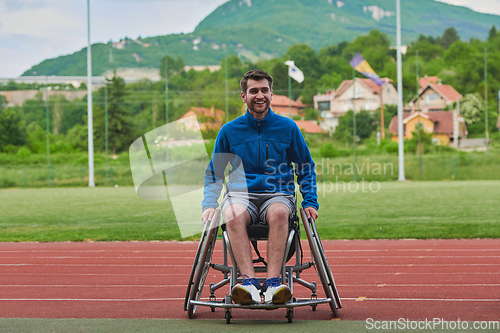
257, 204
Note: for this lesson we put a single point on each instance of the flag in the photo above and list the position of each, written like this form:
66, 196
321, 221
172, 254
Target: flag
361, 65
294, 72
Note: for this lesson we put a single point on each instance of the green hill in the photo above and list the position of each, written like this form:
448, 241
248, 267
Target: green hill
256, 29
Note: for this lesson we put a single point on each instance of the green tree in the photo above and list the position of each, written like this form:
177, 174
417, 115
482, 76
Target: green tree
121, 128
12, 127
492, 33
365, 125
449, 37
175, 66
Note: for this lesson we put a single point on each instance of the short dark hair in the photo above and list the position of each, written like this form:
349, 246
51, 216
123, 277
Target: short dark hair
257, 75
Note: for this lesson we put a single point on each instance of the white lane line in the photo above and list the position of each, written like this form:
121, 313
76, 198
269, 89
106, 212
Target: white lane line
424, 299
305, 253
167, 251
331, 265
182, 299
384, 285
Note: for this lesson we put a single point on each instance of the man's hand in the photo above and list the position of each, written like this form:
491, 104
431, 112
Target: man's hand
207, 215
311, 212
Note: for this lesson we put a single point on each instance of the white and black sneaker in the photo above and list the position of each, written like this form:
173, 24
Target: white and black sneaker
275, 292
246, 293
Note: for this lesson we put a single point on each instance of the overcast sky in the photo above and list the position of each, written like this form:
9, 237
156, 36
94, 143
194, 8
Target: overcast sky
34, 30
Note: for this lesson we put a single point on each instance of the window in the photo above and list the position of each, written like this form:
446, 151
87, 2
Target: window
430, 97
322, 106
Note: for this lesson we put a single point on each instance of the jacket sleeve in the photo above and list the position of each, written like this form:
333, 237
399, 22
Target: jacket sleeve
214, 173
305, 169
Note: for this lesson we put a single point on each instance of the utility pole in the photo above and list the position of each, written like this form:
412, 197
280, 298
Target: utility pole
227, 101
106, 125
89, 103
419, 147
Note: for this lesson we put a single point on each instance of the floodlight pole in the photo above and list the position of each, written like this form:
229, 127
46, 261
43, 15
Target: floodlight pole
106, 124
89, 102
354, 125
47, 128
401, 151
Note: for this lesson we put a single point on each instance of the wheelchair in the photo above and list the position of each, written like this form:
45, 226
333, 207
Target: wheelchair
290, 274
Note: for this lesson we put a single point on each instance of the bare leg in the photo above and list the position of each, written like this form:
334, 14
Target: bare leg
277, 217
237, 218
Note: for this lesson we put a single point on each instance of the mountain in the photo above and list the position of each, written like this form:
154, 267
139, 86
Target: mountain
262, 29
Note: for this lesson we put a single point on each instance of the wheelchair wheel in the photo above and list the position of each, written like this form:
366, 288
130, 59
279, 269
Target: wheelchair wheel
320, 264
209, 237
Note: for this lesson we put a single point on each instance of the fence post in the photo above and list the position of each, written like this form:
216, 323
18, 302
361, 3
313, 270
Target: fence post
454, 165
25, 182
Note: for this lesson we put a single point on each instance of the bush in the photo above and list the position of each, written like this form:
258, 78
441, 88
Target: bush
23, 152
328, 150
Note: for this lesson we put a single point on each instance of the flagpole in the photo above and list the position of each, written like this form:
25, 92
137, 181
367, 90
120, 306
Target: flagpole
419, 146
401, 151
486, 99
382, 126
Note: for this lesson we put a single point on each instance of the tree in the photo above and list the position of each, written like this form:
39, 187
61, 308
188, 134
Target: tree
471, 108
449, 37
492, 33
11, 127
174, 66
121, 128
365, 125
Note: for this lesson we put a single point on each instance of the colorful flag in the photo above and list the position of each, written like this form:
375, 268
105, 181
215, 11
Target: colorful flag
294, 72
361, 65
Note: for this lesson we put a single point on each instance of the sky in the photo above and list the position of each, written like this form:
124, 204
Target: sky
34, 30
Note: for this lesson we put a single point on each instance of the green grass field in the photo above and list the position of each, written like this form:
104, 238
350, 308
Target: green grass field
453, 209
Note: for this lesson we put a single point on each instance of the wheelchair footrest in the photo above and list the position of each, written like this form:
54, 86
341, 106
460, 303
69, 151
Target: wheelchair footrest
262, 306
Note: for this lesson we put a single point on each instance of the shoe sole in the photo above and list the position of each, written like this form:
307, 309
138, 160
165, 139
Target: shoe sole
241, 296
283, 295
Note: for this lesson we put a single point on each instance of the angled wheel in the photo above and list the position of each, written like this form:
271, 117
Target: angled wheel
320, 263
195, 264
209, 237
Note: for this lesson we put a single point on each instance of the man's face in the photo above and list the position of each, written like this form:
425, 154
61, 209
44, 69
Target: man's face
258, 96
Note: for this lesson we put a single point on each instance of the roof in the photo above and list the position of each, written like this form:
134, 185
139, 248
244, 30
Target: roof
310, 126
446, 91
280, 100
424, 81
367, 82
443, 121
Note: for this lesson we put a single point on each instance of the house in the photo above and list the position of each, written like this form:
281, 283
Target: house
446, 125
432, 96
287, 107
309, 126
324, 102
365, 94
208, 119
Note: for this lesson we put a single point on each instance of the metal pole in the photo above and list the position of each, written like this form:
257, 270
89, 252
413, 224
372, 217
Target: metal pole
106, 125
401, 151
227, 101
486, 98
419, 147
354, 125
47, 128
89, 102
166, 90
289, 91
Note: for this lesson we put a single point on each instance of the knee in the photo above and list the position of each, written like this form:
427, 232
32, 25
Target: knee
278, 215
235, 217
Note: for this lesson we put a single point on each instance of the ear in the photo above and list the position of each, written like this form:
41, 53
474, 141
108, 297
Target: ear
243, 97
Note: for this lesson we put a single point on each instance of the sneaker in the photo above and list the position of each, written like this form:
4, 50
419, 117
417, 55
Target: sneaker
248, 292
275, 292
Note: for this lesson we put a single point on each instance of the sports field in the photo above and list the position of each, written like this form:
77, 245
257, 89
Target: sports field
385, 210
85, 286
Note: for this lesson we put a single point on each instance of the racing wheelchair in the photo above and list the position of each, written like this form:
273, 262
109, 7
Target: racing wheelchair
290, 273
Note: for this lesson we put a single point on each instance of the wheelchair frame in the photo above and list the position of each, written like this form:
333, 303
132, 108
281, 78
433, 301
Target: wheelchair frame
202, 263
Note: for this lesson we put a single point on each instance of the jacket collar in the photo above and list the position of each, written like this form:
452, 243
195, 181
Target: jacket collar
254, 123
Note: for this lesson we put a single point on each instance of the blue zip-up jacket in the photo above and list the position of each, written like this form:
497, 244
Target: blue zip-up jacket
267, 149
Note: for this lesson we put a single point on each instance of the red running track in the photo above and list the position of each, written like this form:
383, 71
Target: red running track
379, 279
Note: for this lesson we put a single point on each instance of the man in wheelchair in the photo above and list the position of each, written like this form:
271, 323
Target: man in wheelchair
266, 144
